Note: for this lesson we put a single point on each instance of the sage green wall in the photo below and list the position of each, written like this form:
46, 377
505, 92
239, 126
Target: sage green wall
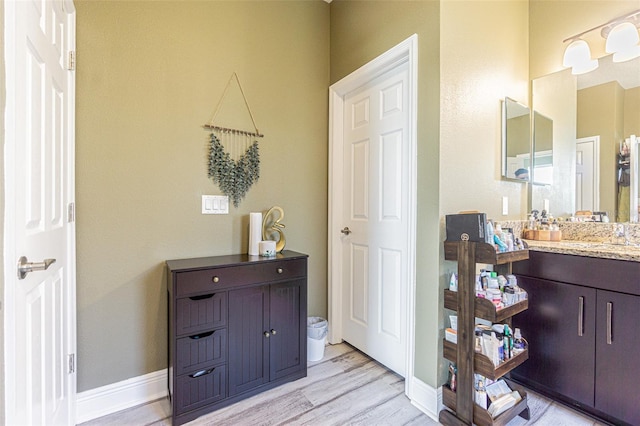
361, 31
149, 75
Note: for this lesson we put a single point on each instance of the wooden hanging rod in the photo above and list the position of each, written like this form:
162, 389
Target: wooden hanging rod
234, 131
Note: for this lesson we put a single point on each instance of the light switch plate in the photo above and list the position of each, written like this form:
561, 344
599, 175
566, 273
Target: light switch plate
505, 206
215, 204
546, 205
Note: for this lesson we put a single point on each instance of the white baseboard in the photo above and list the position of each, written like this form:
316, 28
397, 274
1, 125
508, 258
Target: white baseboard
425, 398
119, 396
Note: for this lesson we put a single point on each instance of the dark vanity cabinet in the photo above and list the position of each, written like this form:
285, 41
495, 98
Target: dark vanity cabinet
237, 327
583, 329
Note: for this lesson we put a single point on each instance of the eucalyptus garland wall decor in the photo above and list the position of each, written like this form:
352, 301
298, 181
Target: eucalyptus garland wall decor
234, 177
238, 167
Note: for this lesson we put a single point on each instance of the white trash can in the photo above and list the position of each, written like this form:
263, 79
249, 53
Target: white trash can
317, 329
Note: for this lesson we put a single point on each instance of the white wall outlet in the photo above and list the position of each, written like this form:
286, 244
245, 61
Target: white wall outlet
546, 205
215, 204
505, 206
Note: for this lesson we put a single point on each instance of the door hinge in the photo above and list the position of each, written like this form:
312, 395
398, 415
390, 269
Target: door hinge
71, 63
72, 363
71, 212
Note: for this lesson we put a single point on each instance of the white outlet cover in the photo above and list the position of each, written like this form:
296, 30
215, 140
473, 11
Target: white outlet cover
505, 206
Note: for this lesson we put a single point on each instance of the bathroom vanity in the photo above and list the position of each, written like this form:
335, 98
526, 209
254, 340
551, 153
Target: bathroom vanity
583, 327
237, 327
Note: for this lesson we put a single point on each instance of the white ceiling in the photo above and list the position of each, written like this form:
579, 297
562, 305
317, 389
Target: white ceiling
626, 73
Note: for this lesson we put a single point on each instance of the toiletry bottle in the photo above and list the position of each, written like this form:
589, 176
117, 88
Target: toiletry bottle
489, 232
453, 282
507, 342
518, 342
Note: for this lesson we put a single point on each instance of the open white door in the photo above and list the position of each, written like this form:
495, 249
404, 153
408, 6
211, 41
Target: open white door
40, 328
372, 208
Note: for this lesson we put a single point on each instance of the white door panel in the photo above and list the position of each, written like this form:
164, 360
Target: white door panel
587, 173
40, 341
376, 156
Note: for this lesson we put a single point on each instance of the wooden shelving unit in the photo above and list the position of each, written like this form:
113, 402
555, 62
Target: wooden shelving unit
464, 410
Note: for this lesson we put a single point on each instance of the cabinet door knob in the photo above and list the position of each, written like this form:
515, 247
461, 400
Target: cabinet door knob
279, 270
215, 279
266, 334
273, 332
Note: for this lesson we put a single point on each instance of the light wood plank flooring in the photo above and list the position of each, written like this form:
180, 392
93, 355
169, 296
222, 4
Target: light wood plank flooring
344, 388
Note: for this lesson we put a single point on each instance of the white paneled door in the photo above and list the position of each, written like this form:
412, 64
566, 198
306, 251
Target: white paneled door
588, 173
39, 213
375, 218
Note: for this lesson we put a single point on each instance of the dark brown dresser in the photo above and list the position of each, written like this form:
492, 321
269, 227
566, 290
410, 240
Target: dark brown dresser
237, 327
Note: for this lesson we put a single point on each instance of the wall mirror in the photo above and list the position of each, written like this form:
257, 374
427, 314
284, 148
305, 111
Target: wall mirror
542, 149
516, 146
592, 115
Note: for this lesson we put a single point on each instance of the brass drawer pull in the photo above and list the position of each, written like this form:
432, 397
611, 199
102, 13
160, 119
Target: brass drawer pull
215, 279
280, 270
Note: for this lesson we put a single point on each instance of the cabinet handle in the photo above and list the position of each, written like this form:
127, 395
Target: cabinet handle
201, 335
266, 334
204, 296
609, 321
280, 270
215, 279
273, 332
580, 316
201, 373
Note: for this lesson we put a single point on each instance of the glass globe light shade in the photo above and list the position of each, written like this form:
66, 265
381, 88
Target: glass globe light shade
578, 56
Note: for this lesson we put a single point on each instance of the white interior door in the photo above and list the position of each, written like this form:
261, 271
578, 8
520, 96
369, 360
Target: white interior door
588, 173
375, 211
39, 221
372, 208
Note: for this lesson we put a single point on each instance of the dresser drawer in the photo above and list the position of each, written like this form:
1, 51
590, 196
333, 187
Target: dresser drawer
199, 389
201, 350
201, 313
195, 282
284, 270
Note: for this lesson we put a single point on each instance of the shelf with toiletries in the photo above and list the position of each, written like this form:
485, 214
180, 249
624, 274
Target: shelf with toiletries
470, 362
484, 308
482, 416
486, 253
482, 364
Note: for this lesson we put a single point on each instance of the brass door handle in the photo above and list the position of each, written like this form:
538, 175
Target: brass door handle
24, 267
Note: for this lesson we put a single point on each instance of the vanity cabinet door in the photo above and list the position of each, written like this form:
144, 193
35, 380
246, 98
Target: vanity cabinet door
560, 329
617, 350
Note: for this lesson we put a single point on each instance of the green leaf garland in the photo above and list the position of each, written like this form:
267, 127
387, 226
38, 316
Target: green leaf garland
233, 177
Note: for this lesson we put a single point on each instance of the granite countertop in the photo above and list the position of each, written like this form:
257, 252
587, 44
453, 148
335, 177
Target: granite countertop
588, 249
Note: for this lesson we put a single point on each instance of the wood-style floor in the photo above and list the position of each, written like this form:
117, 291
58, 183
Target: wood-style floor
344, 388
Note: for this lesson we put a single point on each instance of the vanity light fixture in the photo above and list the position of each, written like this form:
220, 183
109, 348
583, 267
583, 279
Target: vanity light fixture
578, 56
622, 40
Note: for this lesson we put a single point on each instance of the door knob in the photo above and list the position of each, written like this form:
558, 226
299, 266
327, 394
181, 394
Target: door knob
346, 230
24, 267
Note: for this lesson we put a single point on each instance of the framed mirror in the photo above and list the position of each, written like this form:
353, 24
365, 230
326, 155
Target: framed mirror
516, 145
542, 149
